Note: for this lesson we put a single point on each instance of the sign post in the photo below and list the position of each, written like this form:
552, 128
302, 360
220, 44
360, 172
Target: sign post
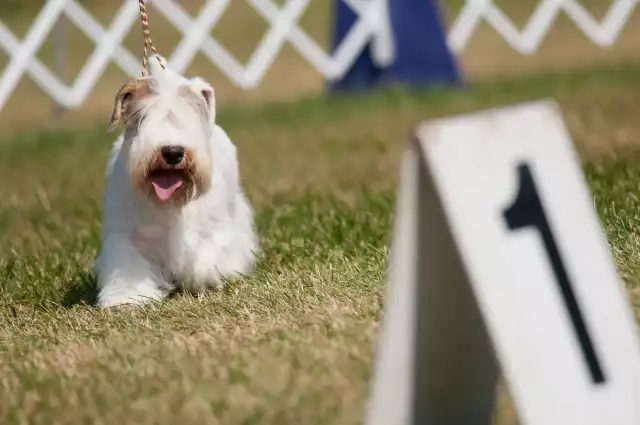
499, 262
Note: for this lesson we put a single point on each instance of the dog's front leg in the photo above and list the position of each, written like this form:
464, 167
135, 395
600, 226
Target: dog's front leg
125, 276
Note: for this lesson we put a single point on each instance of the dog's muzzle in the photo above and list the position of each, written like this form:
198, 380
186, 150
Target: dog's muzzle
171, 176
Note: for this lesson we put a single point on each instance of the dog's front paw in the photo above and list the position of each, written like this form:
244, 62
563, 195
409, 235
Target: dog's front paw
123, 307
128, 299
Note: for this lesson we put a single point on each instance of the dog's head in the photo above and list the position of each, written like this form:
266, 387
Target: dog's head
168, 121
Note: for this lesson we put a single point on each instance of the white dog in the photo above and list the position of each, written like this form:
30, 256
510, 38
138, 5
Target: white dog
174, 210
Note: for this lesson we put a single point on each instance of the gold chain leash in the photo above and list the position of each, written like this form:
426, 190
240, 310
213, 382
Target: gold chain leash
148, 43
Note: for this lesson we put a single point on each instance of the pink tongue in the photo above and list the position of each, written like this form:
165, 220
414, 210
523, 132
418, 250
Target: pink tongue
165, 185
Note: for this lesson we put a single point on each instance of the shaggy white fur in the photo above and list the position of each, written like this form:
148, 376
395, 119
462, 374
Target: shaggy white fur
174, 209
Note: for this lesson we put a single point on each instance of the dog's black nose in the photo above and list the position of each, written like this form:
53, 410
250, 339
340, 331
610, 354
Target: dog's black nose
173, 154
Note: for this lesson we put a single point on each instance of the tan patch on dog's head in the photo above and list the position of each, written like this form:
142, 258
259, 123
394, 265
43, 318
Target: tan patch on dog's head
131, 92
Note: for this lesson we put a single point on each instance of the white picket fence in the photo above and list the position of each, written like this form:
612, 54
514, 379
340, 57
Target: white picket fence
372, 24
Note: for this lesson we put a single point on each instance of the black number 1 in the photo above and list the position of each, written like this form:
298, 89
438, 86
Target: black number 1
526, 211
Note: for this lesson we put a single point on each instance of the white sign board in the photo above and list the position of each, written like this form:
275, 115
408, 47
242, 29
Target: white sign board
498, 258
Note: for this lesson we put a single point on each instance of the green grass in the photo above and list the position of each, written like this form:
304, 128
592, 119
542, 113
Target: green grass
293, 343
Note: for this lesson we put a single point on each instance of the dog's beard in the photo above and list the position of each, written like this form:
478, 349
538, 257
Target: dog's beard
171, 185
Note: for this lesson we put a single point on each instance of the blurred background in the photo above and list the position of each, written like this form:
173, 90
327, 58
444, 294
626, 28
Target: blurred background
240, 30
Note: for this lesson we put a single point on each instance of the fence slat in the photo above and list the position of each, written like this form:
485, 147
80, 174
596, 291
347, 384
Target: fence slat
283, 21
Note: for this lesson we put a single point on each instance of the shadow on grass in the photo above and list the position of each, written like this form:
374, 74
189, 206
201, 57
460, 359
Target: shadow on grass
81, 290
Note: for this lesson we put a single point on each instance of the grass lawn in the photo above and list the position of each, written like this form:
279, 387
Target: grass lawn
292, 344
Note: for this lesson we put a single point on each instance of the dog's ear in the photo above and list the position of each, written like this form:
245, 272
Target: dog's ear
132, 90
195, 99
206, 91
